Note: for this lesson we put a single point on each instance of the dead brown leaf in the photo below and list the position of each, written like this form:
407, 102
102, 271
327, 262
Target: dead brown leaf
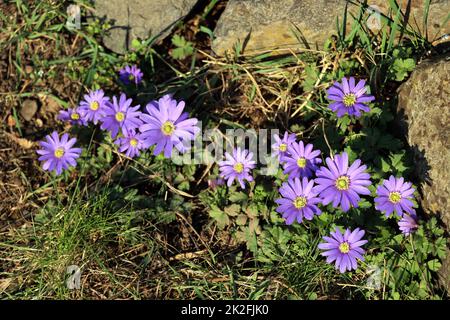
22, 142
4, 284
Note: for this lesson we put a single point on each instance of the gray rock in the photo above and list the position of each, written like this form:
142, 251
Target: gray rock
29, 109
424, 102
269, 24
132, 19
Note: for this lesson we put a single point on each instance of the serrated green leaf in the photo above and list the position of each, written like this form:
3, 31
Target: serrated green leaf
183, 48
178, 41
238, 197
220, 217
250, 237
241, 219
252, 211
178, 53
434, 265
232, 210
254, 226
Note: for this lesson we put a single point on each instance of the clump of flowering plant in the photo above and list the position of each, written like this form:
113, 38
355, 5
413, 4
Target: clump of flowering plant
395, 195
349, 98
341, 184
130, 75
281, 145
58, 154
167, 126
120, 115
237, 166
131, 143
93, 105
73, 116
301, 160
344, 249
408, 223
298, 200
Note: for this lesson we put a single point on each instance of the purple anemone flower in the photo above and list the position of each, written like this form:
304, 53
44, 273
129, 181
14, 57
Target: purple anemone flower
93, 105
119, 115
131, 143
237, 166
74, 116
167, 126
395, 195
345, 249
131, 74
349, 98
298, 200
214, 183
342, 184
408, 223
279, 148
58, 154
301, 160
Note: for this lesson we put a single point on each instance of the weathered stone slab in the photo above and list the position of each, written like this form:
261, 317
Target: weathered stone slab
268, 24
139, 19
424, 103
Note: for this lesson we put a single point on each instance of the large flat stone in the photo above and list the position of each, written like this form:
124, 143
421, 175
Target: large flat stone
269, 24
142, 19
424, 104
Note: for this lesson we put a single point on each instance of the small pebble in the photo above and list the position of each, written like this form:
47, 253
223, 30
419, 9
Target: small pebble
29, 109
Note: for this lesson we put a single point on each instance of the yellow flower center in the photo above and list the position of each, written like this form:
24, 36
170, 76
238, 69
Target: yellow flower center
167, 128
342, 183
344, 247
75, 116
94, 106
133, 142
395, 197
301, 162
238, 167
283, 147
349, 100
131, 77
120, 116
300, 202
59, 152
